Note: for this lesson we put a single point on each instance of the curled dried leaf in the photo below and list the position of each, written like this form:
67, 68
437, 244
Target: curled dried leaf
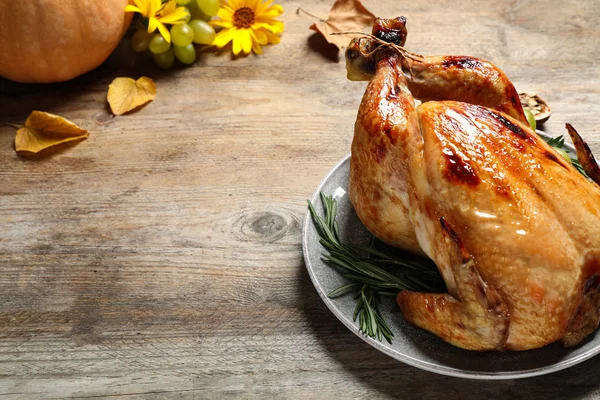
43, 130
126, 94
344, 16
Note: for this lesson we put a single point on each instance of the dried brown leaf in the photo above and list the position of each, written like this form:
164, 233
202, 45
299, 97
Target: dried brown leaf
126, 94
43, 130
344, 16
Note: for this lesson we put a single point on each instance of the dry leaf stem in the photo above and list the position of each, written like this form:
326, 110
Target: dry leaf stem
311, 15
12, 125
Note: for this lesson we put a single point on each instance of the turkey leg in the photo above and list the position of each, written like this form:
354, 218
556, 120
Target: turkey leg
477, 320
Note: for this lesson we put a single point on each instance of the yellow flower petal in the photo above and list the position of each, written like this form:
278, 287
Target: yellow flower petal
235, 4
237, 45
155, 5
227, 8
260, 37
168, 8
152, 24
142, 5
245, 41
224, 37
256, 48
272, 38
262, 6
256, 42
176, 16
222, 24
164, 32
274, 27
130, 8
274, 11
225, 14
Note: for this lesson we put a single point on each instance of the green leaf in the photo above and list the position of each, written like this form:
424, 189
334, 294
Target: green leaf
342, 290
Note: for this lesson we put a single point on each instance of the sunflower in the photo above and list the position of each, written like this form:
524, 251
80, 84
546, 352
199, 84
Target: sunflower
159, 14
249, 24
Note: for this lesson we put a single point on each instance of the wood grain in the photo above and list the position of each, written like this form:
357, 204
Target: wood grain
161, 258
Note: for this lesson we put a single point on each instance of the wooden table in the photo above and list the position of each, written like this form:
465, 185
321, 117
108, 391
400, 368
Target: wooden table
161, 258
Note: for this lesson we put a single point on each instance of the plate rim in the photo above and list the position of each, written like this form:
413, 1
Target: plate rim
412, 361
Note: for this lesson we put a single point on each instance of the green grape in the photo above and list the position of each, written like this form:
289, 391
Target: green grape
158, 44
141, 40
185, 54
192, 8
203, 32
530, 118
182, 2
563, 153
188, 15
182, 35
209, 7
164, 60
197, 12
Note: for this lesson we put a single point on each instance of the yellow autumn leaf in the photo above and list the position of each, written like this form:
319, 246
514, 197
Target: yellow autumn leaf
43, 130
126, 94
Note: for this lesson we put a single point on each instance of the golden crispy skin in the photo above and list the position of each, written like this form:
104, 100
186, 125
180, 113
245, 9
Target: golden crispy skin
524, 213
467, 79
387, 156
513, 228
383, 111
461, 78
376, 180
475, 318
377, 184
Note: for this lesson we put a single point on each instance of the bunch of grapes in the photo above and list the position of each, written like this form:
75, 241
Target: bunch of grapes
183, 36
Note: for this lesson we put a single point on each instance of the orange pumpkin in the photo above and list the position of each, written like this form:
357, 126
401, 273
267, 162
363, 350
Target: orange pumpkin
57, 40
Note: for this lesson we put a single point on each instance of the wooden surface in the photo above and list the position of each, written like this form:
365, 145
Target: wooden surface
161, 258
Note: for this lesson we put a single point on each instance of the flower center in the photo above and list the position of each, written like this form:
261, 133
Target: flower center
243, 17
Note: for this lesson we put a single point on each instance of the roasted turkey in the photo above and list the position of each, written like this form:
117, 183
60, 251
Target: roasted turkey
513, 227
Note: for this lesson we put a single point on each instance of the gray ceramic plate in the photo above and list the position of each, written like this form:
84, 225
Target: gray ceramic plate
412, 345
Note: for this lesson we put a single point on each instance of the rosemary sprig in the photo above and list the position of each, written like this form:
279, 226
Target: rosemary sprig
559, 143
372, 272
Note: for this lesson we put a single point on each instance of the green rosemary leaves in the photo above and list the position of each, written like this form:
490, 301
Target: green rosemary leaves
371, 272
